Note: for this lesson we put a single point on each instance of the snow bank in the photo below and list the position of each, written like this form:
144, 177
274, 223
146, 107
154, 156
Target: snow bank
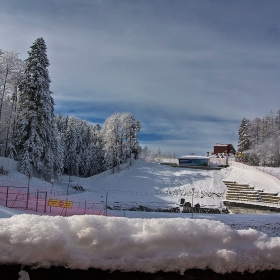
146, 245
255, 177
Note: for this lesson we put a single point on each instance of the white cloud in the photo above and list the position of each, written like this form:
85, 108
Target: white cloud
187, 60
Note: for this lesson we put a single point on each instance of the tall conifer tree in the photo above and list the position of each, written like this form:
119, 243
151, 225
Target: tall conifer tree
244, 139
37, 132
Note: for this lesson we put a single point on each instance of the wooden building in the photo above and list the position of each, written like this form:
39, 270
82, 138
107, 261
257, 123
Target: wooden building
224, 149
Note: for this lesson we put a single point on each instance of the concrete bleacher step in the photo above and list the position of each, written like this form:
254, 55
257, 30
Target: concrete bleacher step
243, 197
270, 197
245, 192
228, 182
240, 188
269, 194
237, 185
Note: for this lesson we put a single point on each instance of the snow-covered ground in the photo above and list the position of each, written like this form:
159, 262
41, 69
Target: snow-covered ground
145, 241
158, 186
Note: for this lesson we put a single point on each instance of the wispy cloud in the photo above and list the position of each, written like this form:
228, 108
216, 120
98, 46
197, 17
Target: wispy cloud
189, 70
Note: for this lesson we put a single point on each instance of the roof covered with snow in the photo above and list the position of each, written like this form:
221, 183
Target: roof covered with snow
193, 157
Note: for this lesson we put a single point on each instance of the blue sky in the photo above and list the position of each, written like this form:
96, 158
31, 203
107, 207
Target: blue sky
188, 70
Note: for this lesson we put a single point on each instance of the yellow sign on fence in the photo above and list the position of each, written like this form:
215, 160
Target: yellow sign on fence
60, 203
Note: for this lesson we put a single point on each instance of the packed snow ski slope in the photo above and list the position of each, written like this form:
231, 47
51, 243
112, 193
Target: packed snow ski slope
161, 241
144, 184
159, 186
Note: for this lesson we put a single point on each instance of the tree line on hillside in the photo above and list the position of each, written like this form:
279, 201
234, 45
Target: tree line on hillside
32, 134
259, 140
146, 152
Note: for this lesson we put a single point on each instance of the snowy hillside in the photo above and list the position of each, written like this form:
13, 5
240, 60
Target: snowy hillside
144, 184
159, 186
162, 241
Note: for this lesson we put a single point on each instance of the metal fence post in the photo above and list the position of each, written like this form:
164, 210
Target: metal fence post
45, 209
7, 195
27, 199
37, 201
106, 204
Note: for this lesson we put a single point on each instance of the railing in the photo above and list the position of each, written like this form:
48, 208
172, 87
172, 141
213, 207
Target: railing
21, 198
272, 173
37, 201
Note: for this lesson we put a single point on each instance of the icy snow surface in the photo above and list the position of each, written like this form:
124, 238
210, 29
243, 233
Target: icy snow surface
156, 241
148, 245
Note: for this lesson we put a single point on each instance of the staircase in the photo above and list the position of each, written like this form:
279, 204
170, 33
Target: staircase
270, 197
245, 192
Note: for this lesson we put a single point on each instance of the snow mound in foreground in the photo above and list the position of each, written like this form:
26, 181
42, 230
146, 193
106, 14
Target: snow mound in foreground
146, 245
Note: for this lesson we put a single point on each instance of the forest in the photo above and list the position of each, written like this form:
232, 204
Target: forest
52, 144
259, 140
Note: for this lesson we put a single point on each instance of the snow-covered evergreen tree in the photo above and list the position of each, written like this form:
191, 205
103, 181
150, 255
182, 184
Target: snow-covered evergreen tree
130, 128
159, 155
119, 139
255, 139
145, 153
71, 138
267, 126
277, 123
260, 139
256, 132
82, 149
37, 134
97, 164
88, 163
59, 155
244, 139
277, 137
136, 148
30, 132
111, 138
268, 150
